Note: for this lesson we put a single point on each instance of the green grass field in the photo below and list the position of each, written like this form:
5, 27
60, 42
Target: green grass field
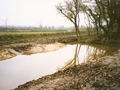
8, 37
12, 37
8, 33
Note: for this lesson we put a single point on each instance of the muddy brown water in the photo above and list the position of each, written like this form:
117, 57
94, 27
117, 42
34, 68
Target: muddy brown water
24, 68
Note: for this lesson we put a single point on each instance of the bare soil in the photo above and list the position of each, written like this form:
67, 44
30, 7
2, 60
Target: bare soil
33, 46
102, 74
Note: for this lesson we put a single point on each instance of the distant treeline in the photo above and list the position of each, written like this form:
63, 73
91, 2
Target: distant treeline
12, 28
45, 28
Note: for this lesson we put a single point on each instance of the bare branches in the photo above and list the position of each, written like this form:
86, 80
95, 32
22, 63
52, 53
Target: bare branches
63, 10
104, 15
71, 10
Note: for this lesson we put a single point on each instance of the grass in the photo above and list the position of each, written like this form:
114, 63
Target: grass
16, 33
8, 37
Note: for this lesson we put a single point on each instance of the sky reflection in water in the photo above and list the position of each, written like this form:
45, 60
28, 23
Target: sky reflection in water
23, 68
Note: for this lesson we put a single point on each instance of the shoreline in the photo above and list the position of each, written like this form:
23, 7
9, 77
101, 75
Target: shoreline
102, 74
28, 49
34, 46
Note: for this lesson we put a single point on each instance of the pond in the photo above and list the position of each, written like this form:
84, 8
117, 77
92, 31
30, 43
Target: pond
23, 68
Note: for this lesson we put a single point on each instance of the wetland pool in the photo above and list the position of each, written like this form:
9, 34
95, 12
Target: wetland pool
23, 68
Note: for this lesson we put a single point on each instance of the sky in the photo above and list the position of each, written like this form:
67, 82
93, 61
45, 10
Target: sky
32, 13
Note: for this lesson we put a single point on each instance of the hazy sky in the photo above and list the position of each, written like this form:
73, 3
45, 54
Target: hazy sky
32, 13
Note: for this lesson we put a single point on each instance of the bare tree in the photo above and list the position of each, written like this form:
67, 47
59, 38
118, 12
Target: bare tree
105, 15
71, 10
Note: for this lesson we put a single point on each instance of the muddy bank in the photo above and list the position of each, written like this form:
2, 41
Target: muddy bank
33, 46
103, 74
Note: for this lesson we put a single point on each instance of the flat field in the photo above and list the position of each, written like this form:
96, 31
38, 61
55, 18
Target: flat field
10, 37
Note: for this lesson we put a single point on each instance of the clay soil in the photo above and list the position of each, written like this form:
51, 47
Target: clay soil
102, 74
33, 46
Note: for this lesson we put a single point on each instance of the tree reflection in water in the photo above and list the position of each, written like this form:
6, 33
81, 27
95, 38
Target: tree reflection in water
73, 61
96, 52
91, 53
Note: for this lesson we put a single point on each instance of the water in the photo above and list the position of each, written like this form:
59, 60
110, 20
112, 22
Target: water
24, 68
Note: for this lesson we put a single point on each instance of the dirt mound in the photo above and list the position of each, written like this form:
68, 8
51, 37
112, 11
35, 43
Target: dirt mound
34, 46
27, 49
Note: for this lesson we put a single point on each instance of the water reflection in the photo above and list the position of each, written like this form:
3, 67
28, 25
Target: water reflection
23, 68
95, 52
84, 53
73, 61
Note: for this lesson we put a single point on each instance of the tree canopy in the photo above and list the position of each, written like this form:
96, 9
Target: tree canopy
103, 15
